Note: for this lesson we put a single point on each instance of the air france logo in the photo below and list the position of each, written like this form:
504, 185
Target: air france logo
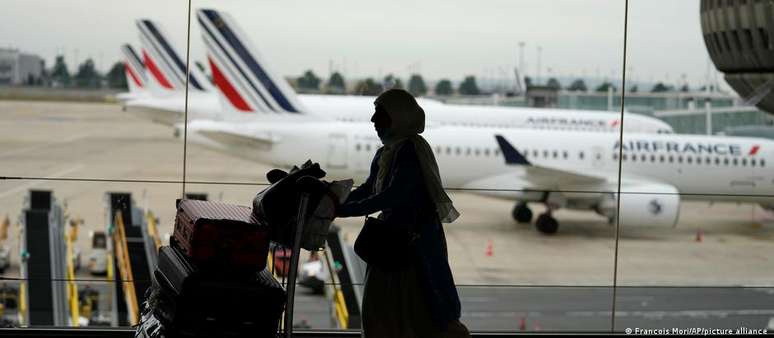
655, 207
754, 150
686, 147
566, 122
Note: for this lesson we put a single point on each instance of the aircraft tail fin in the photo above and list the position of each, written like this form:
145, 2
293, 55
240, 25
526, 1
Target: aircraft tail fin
511, 155
245, 82
134, 69
164, 64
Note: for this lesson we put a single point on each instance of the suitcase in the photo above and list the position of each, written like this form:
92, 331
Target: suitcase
221, 236
188, 300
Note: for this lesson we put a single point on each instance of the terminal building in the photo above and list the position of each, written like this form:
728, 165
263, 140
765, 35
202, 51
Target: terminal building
18, 68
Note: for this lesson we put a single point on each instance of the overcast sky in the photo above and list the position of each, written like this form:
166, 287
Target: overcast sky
438, 38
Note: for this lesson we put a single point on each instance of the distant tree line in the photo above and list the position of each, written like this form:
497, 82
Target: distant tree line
309, 82
86, 76
579, 85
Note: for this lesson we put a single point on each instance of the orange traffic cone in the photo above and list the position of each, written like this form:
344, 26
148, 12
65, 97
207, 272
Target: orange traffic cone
523, 324
699, 235
489, 249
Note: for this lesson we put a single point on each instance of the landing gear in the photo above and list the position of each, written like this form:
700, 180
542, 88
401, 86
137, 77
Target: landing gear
522, 213
546, 223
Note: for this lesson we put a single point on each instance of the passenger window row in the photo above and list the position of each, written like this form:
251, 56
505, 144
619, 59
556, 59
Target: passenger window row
698, 160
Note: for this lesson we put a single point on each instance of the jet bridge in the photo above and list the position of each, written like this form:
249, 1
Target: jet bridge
48, 282
134, 250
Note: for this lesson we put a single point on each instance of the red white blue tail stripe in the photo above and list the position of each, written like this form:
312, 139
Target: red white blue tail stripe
239, 71
163, 61
135, 69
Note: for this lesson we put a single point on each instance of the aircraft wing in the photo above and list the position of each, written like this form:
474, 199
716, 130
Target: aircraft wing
239, 141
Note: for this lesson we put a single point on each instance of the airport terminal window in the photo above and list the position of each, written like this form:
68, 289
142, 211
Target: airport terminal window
511, 276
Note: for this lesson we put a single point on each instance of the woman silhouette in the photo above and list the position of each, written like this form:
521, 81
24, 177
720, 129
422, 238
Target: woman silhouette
420, 299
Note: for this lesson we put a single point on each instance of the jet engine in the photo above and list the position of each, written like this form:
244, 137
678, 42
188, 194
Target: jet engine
644, 204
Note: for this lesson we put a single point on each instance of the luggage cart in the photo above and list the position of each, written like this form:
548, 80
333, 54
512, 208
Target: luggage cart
295, 255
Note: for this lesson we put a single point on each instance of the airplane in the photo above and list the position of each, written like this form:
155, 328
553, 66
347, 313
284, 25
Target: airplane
244, 66
567, 169
561, 169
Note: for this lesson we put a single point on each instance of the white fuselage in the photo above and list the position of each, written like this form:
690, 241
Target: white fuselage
360, 108
701, 167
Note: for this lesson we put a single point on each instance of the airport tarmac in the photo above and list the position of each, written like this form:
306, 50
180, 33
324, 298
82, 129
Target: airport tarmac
723, 244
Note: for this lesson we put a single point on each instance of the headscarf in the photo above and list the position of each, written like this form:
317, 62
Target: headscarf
408, 121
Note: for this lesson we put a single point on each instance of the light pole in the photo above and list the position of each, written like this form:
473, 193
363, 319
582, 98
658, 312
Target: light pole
539, 52
521, 57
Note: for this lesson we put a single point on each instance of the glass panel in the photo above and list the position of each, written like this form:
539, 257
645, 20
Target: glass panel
693, 230
248, 134
65, 91
51, 220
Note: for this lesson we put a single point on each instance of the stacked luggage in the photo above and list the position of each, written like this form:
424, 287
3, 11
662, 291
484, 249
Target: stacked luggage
212, 280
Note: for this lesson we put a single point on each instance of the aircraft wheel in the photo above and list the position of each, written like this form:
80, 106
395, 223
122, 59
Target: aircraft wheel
522, 213
547, 224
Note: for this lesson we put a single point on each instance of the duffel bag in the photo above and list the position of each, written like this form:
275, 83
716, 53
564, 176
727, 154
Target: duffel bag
278, 204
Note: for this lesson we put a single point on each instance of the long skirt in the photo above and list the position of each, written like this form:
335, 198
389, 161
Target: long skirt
394, 306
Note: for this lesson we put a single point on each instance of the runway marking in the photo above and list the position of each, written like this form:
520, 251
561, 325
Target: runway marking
32, 148
12, 191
